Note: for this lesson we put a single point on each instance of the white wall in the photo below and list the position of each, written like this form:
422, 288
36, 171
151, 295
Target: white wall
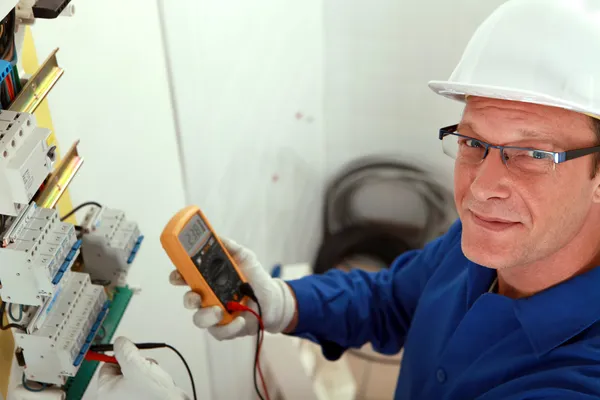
379, 57
114, 96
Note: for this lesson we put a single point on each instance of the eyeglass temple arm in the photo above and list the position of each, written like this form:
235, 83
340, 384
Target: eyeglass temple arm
572, 154
448, 130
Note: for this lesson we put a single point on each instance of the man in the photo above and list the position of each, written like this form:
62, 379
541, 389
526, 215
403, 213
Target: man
506, 304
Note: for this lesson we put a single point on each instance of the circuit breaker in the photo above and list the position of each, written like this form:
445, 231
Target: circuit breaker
55, 350
110, 244
40, 251
62, 310
26, 159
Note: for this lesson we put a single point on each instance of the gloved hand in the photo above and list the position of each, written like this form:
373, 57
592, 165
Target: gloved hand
276, 299
135, 377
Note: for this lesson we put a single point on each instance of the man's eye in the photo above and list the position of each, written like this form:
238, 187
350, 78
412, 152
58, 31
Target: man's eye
474, 143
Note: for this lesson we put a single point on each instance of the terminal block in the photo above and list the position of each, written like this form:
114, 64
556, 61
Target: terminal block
38, 251
56, 350
26, 159
110, 244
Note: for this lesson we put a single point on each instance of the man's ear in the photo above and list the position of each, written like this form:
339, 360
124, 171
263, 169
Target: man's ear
596, 193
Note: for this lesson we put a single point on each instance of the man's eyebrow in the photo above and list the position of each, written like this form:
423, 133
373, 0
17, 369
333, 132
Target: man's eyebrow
467, 126
527, 133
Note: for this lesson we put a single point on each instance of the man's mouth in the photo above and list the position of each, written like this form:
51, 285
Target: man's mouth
492, 223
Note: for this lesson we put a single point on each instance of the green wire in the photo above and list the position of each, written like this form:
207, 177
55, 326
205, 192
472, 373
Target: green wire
16, 79
10, 313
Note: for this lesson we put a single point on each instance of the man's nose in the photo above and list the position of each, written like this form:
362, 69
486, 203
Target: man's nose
489, 181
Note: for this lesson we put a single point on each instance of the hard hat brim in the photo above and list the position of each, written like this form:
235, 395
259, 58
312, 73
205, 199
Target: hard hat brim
460, 91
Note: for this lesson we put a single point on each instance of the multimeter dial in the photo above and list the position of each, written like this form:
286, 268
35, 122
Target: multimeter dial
217, 270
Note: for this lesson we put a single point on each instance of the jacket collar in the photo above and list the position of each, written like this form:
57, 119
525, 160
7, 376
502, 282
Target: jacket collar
559, 313
552, 317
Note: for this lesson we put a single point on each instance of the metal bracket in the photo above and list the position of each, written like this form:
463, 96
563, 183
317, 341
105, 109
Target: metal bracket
60, 179
38, 86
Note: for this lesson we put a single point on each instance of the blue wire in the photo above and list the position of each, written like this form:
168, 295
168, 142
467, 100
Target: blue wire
24, 381
10, 313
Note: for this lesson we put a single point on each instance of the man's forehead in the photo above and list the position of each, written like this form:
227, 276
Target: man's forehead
511, 108
533, 121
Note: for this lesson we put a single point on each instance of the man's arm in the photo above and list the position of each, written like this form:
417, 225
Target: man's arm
339, 310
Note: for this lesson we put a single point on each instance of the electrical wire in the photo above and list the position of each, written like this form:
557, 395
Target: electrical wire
16, 79
340, 220
232, 307
260, 332
79, 207
246, 290
43, 387
96, 349
7, 36
10, 313
4, 96
100, 357
345, 234
9, 85
8, 326
187, 367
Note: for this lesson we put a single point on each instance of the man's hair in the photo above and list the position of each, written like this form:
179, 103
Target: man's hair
595, 123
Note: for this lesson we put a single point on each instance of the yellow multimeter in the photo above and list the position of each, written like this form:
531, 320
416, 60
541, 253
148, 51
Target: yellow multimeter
203, 261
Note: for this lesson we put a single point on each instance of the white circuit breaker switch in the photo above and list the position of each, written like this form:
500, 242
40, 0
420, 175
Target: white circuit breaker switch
26, 159
56, 350
110, 246
24, 12
42, 250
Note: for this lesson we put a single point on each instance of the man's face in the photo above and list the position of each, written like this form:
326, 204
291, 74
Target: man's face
511, 218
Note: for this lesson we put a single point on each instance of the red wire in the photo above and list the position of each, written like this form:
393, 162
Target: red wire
233, 306
93, 356
9, 86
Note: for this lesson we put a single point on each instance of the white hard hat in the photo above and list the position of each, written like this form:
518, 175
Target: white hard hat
539, 51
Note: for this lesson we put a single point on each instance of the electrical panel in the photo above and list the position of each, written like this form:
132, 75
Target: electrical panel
40, 250
62, 311
63, 279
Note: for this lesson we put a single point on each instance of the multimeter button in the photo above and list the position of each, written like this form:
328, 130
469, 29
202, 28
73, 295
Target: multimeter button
217, 262
221, 280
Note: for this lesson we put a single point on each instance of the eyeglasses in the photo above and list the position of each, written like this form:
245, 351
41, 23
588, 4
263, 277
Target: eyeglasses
527, 160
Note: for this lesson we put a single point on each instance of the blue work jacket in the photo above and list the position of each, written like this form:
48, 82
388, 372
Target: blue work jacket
460, 341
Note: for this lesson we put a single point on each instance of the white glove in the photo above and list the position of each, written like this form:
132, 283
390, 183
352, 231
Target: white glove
276, 300
135, 377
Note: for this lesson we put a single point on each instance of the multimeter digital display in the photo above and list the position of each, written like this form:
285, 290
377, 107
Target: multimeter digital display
202, 260
194, 235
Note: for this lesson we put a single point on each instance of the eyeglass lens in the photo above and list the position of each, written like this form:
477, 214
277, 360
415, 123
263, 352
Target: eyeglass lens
473, 151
